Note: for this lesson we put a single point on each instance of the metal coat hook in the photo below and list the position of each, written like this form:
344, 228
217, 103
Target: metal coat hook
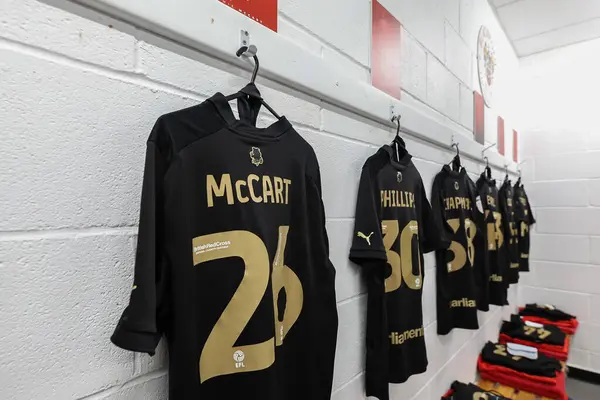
455, 145
250, 51
396, 118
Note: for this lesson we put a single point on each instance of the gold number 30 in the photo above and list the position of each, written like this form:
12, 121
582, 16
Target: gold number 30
220, 355
401, 263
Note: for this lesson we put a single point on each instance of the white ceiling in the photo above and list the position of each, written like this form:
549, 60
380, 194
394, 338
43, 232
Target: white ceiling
534, 26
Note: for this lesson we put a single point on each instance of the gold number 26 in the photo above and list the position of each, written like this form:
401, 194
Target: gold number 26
220, 355
401, 263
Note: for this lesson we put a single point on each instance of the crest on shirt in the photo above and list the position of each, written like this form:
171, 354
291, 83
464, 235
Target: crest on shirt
456, 185
399, 176
256, 156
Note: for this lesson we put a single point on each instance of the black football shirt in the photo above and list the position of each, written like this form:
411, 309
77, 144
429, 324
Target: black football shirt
480, 243
394, 227
232, 260
469, 391
498, 354
524, 218
497, 251
510, 224
545, 334
545, 311
453, 205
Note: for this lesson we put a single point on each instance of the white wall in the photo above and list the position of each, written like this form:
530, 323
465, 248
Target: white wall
77, 101
561, 146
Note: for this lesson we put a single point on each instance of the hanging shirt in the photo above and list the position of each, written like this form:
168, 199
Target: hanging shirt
453, 204
482, 262
511, 233
497, 250
232, 260
524, 219
394, 227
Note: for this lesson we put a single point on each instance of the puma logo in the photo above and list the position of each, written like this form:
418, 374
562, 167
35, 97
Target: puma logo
367, 238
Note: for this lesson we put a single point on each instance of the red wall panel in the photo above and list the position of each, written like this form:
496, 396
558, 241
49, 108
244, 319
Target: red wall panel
501, 148
385, 53
262, 11
515, 146
479, 116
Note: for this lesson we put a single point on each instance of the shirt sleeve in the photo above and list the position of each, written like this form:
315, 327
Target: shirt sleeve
434, 232
140, 326
367, 241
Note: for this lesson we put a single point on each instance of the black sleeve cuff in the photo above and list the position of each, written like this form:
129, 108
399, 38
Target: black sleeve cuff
363, 256
141, 342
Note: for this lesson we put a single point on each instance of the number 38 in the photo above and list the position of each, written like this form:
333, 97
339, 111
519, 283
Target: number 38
220, 355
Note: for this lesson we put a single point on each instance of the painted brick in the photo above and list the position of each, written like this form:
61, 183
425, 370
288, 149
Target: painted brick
355, 42
452, 13
559, 194
567, 166
160, 360
350, 350
353, 390
564, 276
341, 163
347, 65
574, 221
593, 187
579, 358
424, 394
595, 362
466, 108
348, 282
352, 126
458, 56
595, 250
423, 19
442, 89
470, 21
36, 24
299, 36
155, 388
552, 141
586, 337
429, 297
85, 161
71, 293
595, 308
185, 73
560, 248
413, 66
490, 122
573, 303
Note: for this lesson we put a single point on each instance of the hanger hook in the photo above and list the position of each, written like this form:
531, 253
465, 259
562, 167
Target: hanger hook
250, 51
396, 118
487, 162
457, 149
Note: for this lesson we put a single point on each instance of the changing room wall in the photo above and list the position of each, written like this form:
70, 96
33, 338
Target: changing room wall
77, 102
561, 147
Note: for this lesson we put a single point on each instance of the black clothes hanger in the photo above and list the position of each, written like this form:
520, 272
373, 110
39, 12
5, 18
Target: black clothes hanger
456, 165
506, 177
398, 143
518, 180
487, 171
249, 97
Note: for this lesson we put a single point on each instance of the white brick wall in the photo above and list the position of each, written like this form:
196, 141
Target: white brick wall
77, 102
562, 170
